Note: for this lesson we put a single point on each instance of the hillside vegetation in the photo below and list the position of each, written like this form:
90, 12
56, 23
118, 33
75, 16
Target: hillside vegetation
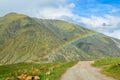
26, 39
46, 71
110, 66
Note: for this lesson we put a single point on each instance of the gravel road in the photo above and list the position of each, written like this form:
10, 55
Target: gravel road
84, 71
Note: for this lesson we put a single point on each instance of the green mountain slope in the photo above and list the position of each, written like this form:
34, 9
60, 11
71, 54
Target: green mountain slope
87, 48
110, 66
26, 39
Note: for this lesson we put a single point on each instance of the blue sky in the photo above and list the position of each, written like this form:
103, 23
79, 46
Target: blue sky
96, 7
99, 15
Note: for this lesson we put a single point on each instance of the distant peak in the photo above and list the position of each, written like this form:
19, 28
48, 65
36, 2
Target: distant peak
14, 14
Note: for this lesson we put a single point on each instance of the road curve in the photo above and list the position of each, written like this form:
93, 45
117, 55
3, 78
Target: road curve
84, 71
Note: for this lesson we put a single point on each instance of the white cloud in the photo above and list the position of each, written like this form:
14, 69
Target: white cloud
72, 5
29, 7
109, 25
53, 13
114, 10
115, 34
101, 23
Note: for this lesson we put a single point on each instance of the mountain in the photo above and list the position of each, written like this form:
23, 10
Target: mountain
26, 39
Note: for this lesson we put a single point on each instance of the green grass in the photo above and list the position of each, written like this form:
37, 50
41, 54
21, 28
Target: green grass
110, 66
33, 69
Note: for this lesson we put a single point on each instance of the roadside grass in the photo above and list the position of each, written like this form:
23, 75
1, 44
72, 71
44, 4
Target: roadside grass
48, 71
110, 66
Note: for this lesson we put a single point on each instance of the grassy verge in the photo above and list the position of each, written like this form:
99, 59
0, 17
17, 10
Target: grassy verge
47, 71
110, 66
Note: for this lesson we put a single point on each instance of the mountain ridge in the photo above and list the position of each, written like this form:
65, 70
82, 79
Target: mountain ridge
26, 39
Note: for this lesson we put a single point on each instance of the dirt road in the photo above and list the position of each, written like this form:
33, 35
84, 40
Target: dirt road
84, 71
